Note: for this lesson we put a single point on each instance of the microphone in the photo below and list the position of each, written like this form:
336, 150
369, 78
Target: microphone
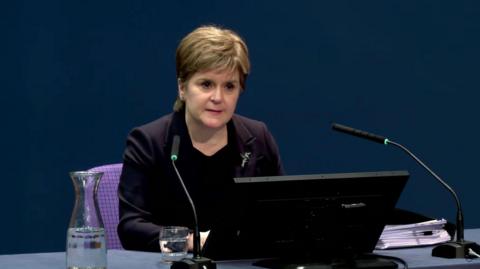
197, 261
458, 248
175, 145
359, 133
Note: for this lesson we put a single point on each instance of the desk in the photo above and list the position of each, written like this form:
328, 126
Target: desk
122, 259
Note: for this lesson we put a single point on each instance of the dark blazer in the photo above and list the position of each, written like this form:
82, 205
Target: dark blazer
149, 191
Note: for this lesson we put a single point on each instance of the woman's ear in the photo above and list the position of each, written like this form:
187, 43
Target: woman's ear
181, 89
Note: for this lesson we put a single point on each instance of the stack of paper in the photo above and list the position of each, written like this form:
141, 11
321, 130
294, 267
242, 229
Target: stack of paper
411, 235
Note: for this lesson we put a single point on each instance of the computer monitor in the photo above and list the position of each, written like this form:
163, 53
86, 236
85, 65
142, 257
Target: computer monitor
309, 217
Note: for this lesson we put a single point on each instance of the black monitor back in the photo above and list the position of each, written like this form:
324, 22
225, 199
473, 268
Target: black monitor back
323, 216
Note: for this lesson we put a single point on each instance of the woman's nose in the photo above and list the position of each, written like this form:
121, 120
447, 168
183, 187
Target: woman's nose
217, 95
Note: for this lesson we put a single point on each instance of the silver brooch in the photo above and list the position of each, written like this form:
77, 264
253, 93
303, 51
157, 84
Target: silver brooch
245, 158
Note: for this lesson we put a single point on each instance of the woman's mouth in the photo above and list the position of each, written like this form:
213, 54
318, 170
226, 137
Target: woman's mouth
214, 111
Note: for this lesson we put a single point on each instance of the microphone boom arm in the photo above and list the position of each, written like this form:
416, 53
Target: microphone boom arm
196, 236
459, 222
197, 262
459, 248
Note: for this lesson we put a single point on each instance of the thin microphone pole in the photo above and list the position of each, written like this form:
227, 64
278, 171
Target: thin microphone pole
196, 236
453, 249
197, 262
459, 224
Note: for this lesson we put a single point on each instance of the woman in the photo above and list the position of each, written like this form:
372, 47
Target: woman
216, 145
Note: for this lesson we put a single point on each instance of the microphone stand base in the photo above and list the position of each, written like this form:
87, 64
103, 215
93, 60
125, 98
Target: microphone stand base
455, 249
194, 263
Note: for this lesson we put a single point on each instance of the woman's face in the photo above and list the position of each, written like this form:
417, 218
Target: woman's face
210, 98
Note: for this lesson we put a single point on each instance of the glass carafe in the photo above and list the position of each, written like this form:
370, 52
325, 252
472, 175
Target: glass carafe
86, 246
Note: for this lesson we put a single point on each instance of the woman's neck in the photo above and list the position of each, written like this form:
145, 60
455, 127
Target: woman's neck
207, 140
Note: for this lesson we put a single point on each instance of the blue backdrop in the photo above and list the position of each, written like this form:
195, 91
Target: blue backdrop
78, 75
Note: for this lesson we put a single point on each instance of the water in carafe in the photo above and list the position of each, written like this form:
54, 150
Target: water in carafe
86, 244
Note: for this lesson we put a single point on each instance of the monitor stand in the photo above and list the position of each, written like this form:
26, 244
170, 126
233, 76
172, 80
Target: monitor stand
356, 263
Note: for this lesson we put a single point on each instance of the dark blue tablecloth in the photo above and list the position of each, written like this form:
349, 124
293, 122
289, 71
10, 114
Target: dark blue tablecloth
122, 259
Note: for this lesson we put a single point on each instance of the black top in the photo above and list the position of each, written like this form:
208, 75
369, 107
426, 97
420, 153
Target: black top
212, 190
151, 195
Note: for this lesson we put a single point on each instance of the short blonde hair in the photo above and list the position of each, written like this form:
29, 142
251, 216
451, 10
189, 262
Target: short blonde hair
211, 47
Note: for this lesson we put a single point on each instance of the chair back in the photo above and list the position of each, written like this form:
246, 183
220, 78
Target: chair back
107, 198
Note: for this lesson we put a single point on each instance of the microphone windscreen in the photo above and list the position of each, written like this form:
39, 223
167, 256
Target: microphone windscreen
359, 133
175, 145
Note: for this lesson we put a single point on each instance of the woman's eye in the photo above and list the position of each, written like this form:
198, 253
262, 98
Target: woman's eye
206, 84
230, 86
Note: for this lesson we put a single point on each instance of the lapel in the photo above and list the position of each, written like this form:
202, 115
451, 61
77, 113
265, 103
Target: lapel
246, 148
243, 139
